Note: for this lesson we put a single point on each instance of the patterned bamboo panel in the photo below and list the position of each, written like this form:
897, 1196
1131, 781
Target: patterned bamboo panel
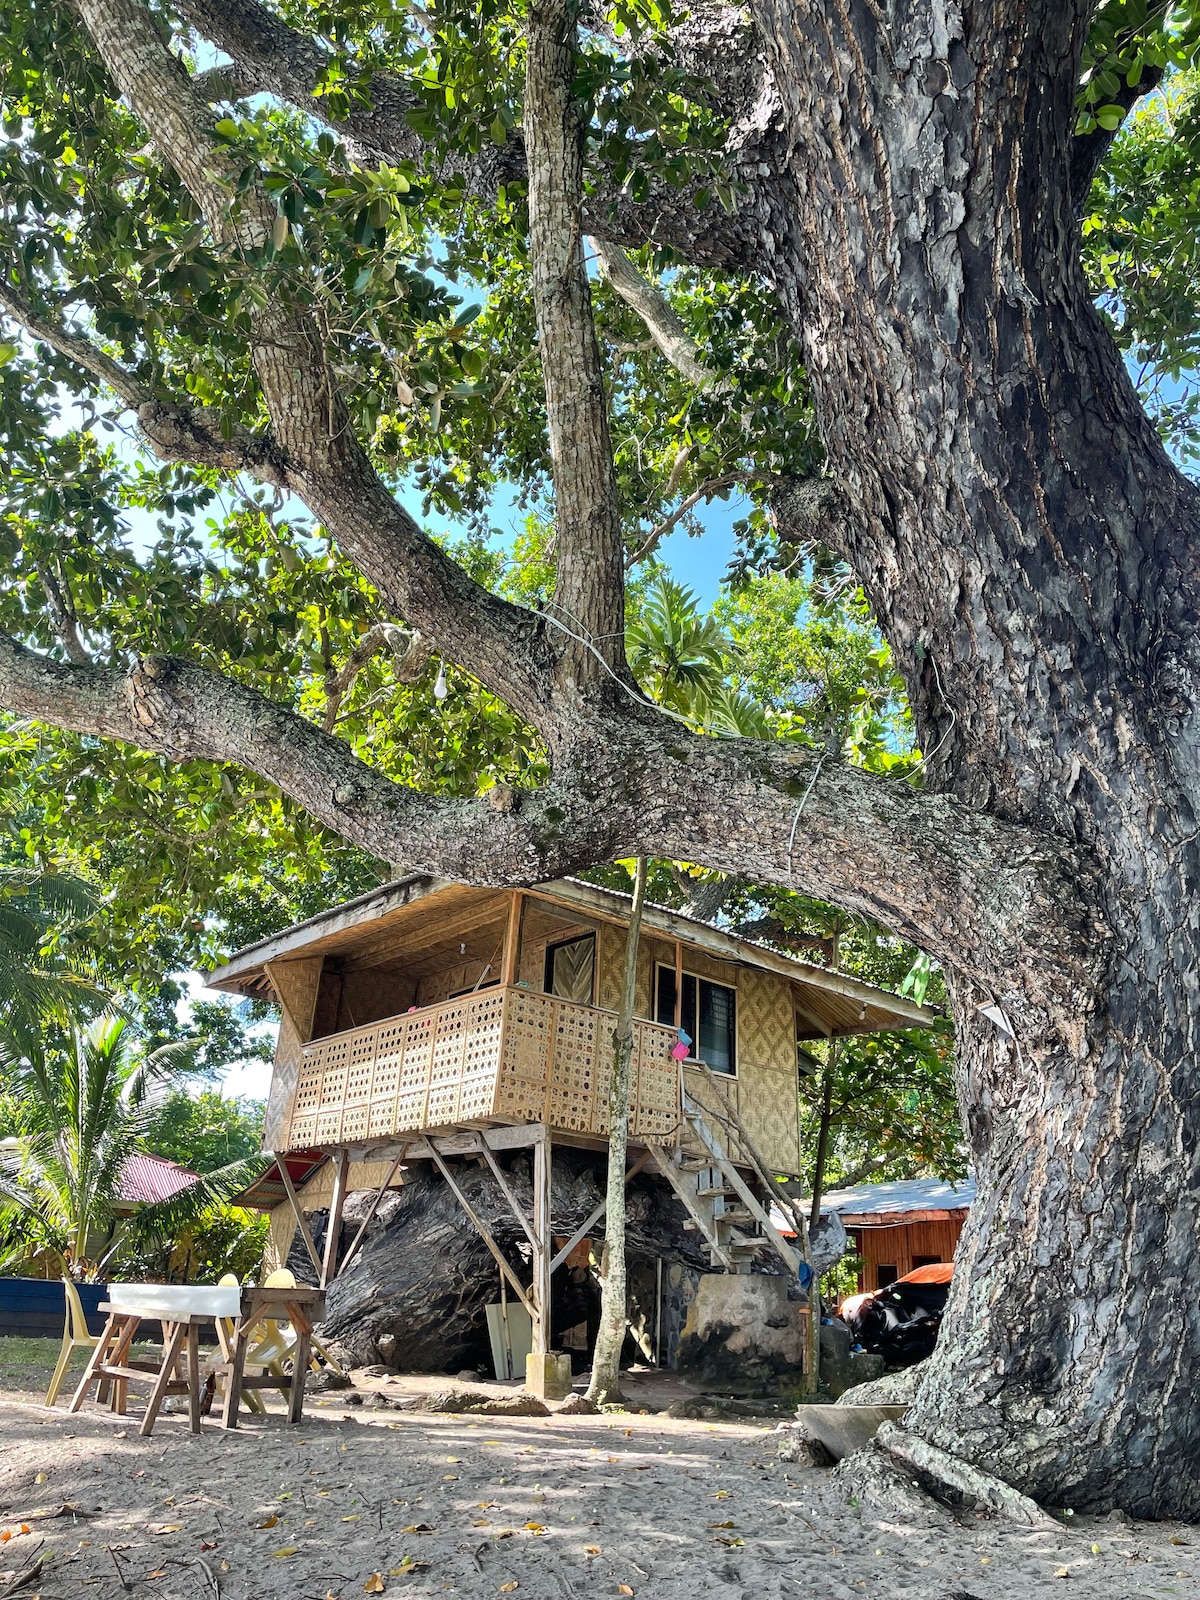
508, 1053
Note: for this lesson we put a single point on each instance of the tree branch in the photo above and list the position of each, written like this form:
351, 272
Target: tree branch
589, 584
195, 434
270, 57
1088, 150
706, 490
665, 326
970, 889
503, 644
187, 713
62, 615
411, 654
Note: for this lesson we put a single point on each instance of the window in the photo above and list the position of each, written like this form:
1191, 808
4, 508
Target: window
570, 969
884, 1276
926, 1261
708, 1013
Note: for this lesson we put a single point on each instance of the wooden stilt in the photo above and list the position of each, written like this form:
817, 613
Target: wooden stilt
545, 1242
485, 1233
301, 1219
376, 1201
514, 1204
585, 1227
341, 1181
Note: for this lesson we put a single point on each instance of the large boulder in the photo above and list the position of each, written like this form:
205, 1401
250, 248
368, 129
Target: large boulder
416, 1293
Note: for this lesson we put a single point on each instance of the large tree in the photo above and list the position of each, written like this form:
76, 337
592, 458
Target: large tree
905, 181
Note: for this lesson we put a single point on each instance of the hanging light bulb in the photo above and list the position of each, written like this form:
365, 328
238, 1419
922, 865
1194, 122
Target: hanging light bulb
441, 688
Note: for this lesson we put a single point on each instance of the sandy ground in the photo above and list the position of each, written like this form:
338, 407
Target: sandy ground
356, 1501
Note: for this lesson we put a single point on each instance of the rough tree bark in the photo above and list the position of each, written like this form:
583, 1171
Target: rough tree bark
605, 1384
904, 182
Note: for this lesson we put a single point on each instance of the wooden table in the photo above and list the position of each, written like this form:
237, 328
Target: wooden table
298, 1305
182, 1309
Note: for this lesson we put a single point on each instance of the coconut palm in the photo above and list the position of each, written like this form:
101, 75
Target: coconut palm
45, 977
82, 1110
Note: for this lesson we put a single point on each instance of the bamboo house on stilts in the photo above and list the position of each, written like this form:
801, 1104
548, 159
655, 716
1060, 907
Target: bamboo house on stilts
461, 1037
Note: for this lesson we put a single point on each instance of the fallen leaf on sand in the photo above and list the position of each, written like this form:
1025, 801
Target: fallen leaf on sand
287, 1550
406, 1566
329, 1595
1175, 1539
506, 1533
170, 1527
208, 1544
270, 1522
722, 1524
419, 1527
224, 1566
730, 1543
507, 1588
454, 1461
374, 1584
591, 1549
160, 1573
536, 1529
353, 1518
1063, 1572
13, 1533
623, 1588
449, 1477
721, 1494
41, 1477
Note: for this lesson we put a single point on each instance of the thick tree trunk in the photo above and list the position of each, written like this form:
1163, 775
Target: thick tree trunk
1032, 556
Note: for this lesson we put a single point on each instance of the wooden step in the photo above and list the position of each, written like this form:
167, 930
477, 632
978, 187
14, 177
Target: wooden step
705, 1194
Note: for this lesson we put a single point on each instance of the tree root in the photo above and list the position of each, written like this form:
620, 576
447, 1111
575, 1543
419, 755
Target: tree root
906, 1473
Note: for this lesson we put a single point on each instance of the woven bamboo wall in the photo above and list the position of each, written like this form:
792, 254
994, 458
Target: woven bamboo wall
764, 1091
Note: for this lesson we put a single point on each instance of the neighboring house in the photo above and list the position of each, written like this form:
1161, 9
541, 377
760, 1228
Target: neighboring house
429, 1020
149, 1180
898, 1226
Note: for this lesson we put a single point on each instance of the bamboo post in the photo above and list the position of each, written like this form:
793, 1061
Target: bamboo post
512, 938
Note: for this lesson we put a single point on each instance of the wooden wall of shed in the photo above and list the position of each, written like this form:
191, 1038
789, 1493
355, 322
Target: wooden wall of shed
898, 1246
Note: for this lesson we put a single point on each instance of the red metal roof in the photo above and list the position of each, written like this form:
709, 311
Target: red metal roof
147, 1179
267, 1190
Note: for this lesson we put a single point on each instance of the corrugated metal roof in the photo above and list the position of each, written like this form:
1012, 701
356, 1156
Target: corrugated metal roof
892, 1199
146, 1179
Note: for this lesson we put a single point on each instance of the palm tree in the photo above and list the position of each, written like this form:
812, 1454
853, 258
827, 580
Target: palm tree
44, 980
82, 1110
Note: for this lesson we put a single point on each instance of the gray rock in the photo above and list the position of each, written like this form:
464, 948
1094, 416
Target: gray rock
798, 1448
827, 1242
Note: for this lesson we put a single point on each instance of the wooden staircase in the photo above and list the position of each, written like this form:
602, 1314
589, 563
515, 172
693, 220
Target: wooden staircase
734, 1221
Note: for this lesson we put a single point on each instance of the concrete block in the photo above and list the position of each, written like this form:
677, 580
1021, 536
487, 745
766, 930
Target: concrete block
548, 1374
